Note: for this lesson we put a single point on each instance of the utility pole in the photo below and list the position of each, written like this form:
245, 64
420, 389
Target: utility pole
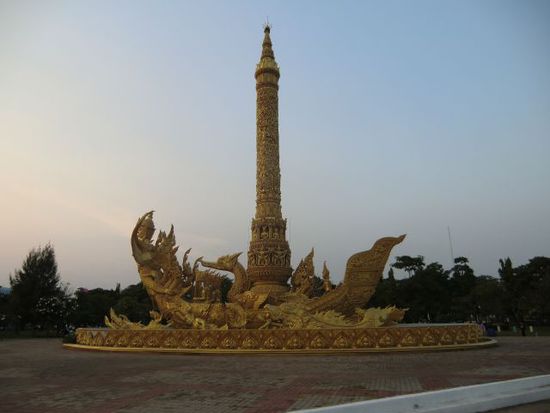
451, 245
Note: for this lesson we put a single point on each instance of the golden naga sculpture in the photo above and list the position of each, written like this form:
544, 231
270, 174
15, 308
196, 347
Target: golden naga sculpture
191, 296
269, 307
185, 296
116, 321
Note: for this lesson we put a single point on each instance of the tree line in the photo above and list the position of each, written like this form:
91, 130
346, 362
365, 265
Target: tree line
519, 295
39, 300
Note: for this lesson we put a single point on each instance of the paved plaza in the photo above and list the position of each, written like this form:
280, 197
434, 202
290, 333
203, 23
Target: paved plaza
40, 376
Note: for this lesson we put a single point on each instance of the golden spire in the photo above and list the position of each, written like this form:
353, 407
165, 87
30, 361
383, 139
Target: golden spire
269, 254
267, 51
267, 63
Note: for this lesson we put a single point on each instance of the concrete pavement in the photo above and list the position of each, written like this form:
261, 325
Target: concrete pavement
38, 375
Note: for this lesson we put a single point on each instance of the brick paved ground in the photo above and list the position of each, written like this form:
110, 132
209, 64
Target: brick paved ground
40, 376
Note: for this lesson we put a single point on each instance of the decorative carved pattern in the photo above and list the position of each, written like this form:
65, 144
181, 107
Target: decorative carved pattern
269, 254
302, 278
299, 340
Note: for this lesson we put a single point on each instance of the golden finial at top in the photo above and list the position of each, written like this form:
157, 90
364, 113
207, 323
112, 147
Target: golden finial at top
267, 58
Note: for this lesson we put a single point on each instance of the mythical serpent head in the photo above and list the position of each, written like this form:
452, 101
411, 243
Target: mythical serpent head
225, 263
143, 249
146, 227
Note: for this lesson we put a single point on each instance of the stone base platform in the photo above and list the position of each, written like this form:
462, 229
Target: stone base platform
405, 337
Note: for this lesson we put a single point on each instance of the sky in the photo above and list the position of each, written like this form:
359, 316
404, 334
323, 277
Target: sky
395, 117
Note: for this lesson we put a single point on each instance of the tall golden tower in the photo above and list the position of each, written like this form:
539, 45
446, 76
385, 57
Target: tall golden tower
269, 254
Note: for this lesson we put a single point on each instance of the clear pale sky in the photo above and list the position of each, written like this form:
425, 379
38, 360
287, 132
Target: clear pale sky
395, 117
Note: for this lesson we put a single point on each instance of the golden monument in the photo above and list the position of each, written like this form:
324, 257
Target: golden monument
269, 254
269, 308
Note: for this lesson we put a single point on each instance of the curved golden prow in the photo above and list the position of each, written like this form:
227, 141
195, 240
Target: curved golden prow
363, 273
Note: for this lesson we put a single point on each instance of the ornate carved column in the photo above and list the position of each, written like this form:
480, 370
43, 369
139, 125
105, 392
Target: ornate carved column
269, 254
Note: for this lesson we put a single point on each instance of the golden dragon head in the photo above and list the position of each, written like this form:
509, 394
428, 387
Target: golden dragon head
225, 263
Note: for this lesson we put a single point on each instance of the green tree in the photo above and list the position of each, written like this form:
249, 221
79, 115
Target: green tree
532, 284
56, 312
386, 292
93, 305
488, 295
516, 288
426, 294
409, 264
4, 308
462, 283
463, 278
318, 288
37, 279
392, 288
135, 303
226, 285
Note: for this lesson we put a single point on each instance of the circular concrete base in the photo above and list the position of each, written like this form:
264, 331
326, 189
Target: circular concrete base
282, 341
